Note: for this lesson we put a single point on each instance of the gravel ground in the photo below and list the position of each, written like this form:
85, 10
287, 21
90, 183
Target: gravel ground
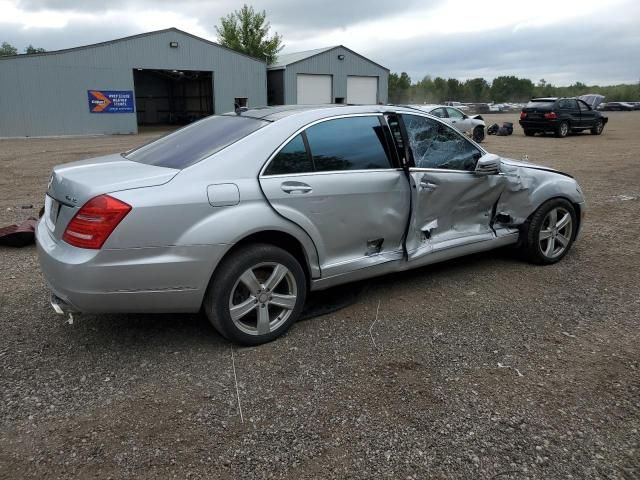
419, 393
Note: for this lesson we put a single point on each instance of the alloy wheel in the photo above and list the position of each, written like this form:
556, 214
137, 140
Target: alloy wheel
555, 235
263, 298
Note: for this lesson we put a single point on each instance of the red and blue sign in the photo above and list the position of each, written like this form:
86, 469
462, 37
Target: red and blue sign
111, 101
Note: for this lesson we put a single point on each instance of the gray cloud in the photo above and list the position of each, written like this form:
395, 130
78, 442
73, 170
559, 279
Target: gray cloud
591, 50
576, 52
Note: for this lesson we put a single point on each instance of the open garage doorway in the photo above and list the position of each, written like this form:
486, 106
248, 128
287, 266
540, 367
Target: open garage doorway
172, 97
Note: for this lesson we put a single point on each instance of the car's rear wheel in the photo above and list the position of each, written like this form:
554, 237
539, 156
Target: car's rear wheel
256, 294
597, 128
563, 129
550, 232
529, 133
478, 134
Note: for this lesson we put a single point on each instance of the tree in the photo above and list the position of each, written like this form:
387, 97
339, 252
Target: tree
31, 49
246, 31
476, 90
399, 87
6, 49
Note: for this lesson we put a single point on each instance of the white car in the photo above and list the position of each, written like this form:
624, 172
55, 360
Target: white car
473, 125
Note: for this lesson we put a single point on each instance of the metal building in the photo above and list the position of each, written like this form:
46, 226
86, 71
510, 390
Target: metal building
163, 77
326, 75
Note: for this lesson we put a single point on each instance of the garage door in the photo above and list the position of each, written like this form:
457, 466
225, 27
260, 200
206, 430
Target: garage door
362, 90
314, 89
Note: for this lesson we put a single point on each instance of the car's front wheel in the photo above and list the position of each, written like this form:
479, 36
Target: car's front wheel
478, 134
550, 232
256, 294
597, 128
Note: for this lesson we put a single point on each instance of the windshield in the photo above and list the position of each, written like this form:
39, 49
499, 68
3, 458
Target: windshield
543, 104
195, 142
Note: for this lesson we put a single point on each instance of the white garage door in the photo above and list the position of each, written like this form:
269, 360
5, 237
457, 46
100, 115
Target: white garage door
362, 90
314, 89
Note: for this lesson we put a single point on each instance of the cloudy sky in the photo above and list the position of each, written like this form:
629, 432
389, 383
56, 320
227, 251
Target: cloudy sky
593, 41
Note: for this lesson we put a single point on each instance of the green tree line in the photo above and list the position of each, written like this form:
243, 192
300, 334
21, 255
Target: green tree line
6, 50
501, 89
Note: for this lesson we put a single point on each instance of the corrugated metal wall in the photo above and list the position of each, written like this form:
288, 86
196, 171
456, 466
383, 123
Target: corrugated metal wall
328, 63
47, 94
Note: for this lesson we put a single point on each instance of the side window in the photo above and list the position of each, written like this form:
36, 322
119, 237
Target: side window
292, 158
435, 145
354, 143
439, 112
455, 113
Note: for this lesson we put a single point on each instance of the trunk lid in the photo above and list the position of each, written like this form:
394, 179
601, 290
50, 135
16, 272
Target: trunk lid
72, 184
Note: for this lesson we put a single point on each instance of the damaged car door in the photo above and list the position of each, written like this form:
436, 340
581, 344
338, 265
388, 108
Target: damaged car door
337, 180
453, 204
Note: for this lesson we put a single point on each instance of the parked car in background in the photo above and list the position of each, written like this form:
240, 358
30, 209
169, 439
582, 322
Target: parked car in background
458, 105
472, 125
561, 116
618, 107
240, 215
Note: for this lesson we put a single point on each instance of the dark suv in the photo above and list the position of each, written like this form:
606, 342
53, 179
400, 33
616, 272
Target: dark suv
560, 116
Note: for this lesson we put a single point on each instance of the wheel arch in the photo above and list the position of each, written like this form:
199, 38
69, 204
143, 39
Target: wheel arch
576, 205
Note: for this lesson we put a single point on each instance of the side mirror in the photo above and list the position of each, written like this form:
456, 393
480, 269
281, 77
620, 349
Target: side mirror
488, 164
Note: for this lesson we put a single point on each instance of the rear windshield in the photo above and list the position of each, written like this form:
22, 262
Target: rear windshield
195, 142
540, 104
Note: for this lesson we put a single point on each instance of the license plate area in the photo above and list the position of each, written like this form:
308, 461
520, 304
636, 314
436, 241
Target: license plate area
51, 211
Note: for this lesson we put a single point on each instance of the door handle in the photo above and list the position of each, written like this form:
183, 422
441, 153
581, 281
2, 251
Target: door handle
425, 185
295, 187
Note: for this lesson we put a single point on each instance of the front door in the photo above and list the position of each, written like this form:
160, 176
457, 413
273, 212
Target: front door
587, 115
337, 181
452, 206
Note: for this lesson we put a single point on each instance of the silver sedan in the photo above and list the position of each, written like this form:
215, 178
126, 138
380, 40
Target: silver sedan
472, 125
243, 214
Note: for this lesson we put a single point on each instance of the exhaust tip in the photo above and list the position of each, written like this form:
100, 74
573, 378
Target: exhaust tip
59, 305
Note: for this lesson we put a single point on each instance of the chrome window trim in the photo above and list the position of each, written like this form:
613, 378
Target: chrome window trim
309, 125
334, 172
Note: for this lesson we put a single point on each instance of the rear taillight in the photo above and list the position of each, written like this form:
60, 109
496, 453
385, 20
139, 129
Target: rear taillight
550, 115
94, 222
523, 115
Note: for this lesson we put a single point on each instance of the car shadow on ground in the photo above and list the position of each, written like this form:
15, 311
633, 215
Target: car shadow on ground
169, 330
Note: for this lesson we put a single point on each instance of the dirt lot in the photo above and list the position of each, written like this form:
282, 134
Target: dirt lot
154, 396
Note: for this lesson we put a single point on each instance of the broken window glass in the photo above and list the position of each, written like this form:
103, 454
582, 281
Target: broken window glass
435, 145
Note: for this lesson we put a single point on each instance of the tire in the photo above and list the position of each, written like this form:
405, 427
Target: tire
264, 312
597, 127
543, 245
529, 133
478, 134
563, 129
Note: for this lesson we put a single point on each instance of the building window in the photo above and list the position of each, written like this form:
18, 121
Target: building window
240, 102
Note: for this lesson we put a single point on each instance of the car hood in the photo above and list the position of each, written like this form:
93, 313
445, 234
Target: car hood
533, 166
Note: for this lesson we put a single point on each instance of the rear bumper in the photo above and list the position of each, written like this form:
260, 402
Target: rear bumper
539, 124
133, 280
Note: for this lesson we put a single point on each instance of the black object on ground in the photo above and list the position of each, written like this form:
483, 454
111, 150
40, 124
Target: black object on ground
332, 300
20, 234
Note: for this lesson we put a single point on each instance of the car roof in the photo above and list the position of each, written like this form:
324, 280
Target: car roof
544, 99
428, 107
275, 113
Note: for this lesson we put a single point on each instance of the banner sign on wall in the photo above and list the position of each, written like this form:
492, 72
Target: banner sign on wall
110, 101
